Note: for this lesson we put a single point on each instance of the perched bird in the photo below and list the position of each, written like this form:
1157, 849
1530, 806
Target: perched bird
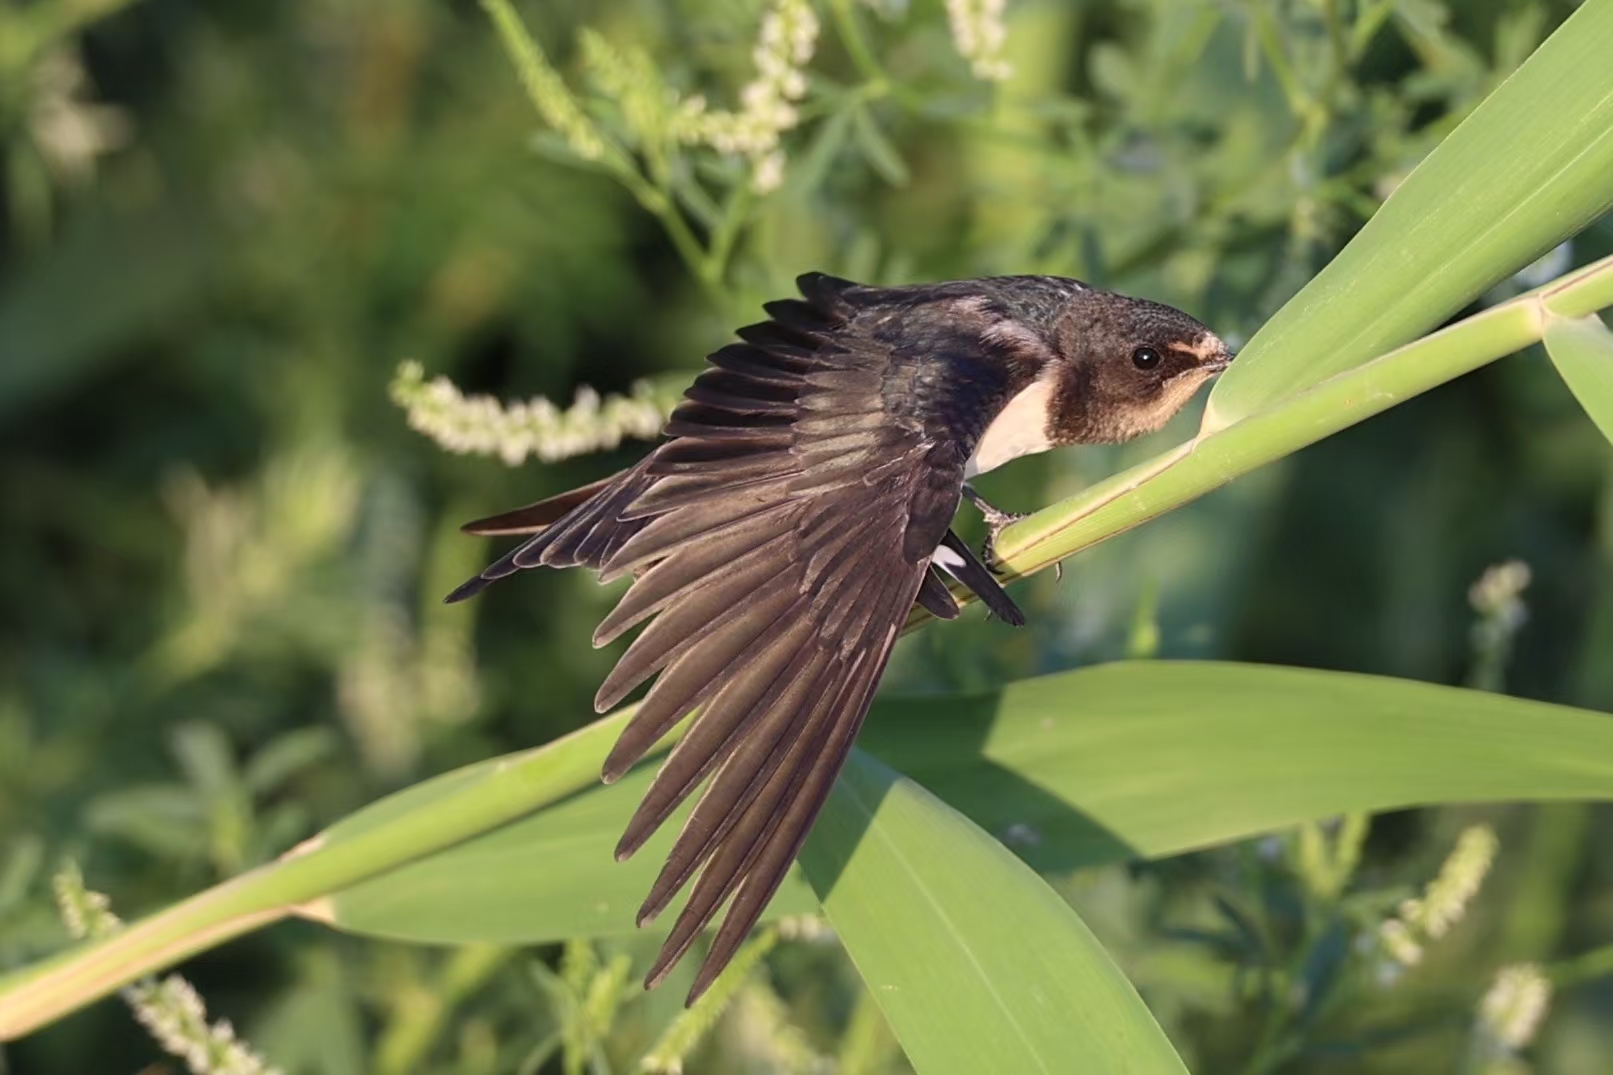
798, 507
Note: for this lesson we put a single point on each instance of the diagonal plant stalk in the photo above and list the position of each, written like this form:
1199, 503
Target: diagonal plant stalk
390, 833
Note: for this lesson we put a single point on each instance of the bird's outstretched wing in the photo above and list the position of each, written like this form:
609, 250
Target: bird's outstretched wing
777, 541
785, 533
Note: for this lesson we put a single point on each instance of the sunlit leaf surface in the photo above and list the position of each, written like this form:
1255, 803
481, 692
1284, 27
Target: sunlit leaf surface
1120, 761
976, 962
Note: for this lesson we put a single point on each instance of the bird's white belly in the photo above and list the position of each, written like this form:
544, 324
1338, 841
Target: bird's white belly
1020, 429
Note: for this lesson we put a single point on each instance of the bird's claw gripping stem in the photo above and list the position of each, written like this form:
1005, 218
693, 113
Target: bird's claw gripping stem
997, 521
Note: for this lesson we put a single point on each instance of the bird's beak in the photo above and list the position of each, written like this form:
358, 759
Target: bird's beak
1218, 361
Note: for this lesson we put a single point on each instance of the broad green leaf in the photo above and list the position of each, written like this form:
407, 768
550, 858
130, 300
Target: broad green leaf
976, 962
1582, 350
1129, 760
1529, 168
552, 875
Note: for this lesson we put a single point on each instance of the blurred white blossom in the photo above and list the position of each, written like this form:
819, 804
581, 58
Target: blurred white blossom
481, 425
1446, 898
176, 1017
1399, 943
768, 175
1497, 597
979, 33
788, 38
170, 1009
1442, 904
807, 929
85, 913
762, 1036
70, 129
1511, 1012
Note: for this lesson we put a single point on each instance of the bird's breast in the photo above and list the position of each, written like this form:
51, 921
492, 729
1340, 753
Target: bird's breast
1020, 428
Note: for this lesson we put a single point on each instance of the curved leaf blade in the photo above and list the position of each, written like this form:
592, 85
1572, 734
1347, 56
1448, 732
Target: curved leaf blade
1529, 168
1582, 350
1129, 760
547, 877
977, 964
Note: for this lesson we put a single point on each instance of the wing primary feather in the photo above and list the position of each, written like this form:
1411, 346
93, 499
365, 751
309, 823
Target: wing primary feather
699, 452
936, 598
468, 589
733, 716
684, 490
714, 470
874, 618
766, 872
707, 624
825, 290
694, 565
698, 674
796, 713
748, 386
755, 364
842, 590
750, 833
836, 556
560, 545
972, 573
753, 855
783, 827
534, 517
693, 419
598, 510
801, 316
666, 532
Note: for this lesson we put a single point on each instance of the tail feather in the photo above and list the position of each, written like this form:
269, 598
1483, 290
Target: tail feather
534, 517
580, 528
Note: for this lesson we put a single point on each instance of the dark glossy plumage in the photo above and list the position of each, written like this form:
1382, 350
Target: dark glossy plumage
778, 540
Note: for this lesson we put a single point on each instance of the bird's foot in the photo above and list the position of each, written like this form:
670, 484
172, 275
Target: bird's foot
997, 521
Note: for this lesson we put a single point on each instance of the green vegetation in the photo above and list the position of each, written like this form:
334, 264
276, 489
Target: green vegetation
229, 697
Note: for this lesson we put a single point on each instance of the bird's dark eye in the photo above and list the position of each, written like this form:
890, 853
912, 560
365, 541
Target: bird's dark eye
1145, 358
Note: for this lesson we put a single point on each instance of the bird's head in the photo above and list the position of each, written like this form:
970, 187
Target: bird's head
1126, 366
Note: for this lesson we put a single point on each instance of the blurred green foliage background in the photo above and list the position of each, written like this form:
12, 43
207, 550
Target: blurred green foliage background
222, 549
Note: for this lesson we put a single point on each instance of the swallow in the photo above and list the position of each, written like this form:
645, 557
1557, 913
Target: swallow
797, 507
